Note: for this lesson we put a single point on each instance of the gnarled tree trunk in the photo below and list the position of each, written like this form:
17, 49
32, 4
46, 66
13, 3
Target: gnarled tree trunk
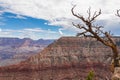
115, 56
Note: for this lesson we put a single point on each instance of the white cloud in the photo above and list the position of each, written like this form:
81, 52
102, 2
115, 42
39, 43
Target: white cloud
17, 17
43, 9
34, 30
0, 29
59, 12
33, 33
60, 31
53, 9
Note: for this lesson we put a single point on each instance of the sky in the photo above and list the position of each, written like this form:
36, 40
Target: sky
51, 19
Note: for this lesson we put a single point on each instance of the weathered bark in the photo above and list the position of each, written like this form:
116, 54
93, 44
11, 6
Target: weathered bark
115, 56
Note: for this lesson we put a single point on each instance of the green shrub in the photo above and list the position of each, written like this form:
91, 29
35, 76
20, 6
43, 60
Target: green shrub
90, 75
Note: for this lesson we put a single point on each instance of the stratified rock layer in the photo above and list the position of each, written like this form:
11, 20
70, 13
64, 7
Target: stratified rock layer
79, 55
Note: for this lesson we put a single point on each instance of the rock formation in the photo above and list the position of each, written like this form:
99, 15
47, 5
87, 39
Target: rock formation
75, 56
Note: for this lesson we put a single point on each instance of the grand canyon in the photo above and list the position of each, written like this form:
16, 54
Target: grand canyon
68, 58
14, 50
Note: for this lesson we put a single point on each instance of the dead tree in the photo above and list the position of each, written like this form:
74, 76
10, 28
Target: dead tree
95, 31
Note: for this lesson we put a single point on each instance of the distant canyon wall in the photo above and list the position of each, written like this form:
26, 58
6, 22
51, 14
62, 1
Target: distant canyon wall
14, 50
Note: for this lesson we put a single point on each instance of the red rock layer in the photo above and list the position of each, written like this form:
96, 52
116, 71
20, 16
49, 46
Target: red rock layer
82, 54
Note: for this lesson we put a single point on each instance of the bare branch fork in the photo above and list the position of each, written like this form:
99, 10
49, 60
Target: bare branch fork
96, 31
118, 13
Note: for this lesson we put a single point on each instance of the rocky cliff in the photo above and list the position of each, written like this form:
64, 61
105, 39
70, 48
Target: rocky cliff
74, 56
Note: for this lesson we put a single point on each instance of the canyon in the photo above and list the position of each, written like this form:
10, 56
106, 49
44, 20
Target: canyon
69, 58
15, 50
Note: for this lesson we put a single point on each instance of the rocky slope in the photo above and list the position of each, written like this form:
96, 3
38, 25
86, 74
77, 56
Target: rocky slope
70, 58
14, 50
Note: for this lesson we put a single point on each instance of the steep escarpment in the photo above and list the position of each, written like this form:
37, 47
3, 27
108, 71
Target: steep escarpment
72, 50
70, 55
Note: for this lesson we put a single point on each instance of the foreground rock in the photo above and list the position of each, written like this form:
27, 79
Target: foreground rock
116, 75
71, 55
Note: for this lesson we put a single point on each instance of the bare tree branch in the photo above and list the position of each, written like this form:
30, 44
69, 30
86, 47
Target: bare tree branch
80, 26
96, 31
118, 13
95, 15
89, 13
83, 33
78, 16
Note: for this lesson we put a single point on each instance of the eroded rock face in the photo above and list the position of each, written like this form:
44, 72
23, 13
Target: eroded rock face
69, 51
81, 54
